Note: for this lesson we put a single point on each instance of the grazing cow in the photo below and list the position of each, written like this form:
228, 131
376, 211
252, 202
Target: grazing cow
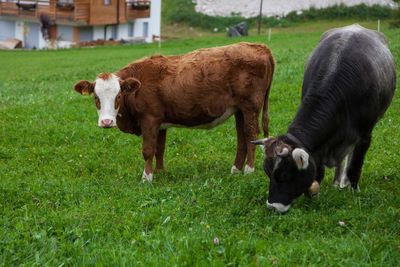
348, 84
200, 89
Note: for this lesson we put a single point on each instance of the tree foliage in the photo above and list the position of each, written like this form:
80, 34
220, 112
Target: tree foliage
396, 22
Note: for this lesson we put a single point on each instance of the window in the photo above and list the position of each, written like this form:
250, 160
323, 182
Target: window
107, 2
131, 29
114, 32
145, 29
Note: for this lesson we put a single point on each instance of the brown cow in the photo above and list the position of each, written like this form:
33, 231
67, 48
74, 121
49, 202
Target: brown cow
200, 89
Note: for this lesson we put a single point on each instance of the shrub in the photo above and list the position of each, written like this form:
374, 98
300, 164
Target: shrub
396, 22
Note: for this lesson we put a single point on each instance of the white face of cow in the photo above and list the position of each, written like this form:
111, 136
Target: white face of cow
107, 93
107, 90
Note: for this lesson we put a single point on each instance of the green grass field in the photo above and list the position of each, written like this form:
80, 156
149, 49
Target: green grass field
72, 194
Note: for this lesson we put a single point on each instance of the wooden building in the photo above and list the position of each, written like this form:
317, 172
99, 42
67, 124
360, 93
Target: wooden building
70, 21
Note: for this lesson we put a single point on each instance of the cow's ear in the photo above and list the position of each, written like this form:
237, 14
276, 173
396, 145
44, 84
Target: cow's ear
301, 158
129, 85
282, 150
84, 87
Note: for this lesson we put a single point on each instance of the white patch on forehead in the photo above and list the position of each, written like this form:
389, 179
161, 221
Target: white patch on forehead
109, 87
107, 90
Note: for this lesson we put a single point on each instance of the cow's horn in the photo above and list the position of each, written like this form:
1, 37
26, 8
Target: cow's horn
260, 141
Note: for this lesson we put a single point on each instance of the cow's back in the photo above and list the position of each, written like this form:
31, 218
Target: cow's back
217, 67
348, 84
202, 85
355, 64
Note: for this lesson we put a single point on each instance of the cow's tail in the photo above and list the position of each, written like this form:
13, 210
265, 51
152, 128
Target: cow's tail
269, 75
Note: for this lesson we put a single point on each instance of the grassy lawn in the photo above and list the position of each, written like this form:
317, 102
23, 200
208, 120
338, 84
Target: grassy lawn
72, 194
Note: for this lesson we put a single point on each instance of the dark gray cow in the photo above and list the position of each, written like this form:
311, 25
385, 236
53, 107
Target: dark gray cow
349, 82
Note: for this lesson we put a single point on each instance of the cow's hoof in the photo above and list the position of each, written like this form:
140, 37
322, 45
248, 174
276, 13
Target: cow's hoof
235, 170
355, 189
147, 177
335, 183
248, 169
344, 183
158, 170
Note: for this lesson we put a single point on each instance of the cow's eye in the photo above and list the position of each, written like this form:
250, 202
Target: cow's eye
117, 101
97, 101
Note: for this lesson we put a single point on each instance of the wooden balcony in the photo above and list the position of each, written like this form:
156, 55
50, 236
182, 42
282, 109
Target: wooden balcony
65, 10
85, 12
137, 9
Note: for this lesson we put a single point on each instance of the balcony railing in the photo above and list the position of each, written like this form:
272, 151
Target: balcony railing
56, 9
137, 9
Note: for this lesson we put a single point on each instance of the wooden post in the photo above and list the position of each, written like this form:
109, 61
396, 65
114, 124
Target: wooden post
379, 25
259, 17
269, 34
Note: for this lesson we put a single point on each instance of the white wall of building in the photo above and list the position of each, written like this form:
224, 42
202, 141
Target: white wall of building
42, 42
149, 26
138, 27
123, 31
98, 32
19, 30
155, 17
7, 29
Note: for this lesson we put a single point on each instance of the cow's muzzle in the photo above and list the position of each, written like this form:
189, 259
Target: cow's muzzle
106, 123
279, 207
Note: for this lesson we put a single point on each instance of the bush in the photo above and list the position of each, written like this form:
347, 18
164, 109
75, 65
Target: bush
396, 22
362, 11
183, 11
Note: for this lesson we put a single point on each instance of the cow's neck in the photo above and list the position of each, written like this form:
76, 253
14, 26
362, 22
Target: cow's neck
315, 129
132, 70
126, 119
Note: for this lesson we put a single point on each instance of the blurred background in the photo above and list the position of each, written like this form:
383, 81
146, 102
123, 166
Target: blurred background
49, 24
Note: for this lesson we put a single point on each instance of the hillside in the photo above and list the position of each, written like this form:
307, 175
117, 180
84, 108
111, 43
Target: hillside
248, 9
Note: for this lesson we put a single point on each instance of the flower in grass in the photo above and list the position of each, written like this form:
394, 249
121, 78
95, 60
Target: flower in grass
216, 241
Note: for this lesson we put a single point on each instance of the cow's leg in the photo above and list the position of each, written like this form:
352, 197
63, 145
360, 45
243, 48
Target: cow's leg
341, 180
241, 147
320, 172
357, 161
251, 130
160, 150
150, 130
